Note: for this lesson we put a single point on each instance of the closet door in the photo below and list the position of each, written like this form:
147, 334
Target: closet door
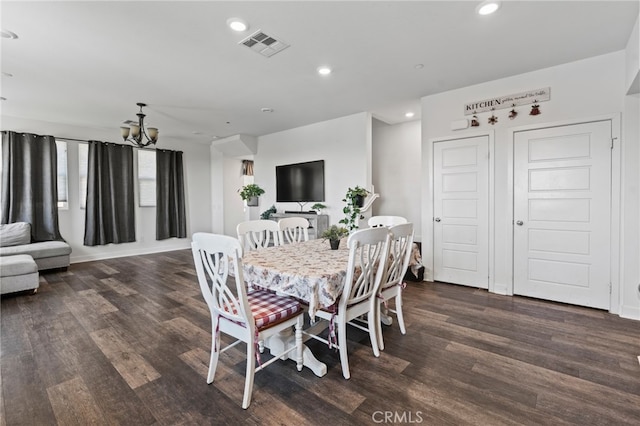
461, 211
562, 214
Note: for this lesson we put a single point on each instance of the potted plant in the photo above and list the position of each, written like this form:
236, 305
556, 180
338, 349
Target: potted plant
250, 194
358, 194
334, 233
318, 207
355, 200
266, 215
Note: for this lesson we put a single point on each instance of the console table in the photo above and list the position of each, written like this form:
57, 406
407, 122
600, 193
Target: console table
317, 222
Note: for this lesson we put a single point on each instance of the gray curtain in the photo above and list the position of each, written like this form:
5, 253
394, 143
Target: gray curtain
29, 183
170, 209
110, 212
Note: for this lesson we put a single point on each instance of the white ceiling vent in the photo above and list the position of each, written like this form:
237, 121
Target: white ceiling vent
264, 44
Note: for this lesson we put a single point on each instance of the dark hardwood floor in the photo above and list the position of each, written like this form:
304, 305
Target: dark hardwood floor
126, 341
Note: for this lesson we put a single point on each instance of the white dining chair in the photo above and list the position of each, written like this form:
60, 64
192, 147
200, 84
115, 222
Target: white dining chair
368, 250
375, 221
247, 317
257, 234
392, 285
293, 230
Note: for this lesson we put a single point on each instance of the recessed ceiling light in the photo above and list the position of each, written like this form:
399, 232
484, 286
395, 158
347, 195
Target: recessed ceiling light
324, 70
237, 24
409, 114
488, 7
7, 74
266, 109
419, 66
8, 34
2, 98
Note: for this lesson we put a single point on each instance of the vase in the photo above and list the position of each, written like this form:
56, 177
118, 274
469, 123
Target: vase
334, 244
359, 199
253, 201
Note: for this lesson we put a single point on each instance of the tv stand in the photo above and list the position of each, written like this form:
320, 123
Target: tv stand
317, 222
295, 212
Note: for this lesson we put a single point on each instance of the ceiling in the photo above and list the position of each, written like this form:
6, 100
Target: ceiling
85, 64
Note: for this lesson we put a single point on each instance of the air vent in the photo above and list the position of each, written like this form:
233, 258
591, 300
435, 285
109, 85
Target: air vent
264, 44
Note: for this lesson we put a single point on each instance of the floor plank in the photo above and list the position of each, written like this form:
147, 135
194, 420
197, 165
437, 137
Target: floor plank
73, 404
135, 370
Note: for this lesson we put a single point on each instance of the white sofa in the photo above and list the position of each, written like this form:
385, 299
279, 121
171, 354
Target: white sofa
18, 273
15, 239
20, 259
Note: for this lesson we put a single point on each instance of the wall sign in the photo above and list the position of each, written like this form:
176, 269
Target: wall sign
509, 101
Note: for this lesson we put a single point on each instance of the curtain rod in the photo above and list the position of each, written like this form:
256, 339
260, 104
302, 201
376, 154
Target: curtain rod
85, 140
114, 143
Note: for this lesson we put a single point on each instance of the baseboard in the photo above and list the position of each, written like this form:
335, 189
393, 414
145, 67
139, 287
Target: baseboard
501, 289
630, 312
126, 253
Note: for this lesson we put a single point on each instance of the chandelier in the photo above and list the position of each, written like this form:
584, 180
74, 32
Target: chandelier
137, 131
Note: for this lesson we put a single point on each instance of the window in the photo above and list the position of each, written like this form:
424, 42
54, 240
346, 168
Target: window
63, 199
83, 162
147, 178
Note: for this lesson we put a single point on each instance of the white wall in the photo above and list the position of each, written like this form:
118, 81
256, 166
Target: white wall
218, 206
579, 90
630, 271
197, 185
397, 171
343, 143
632, 52
235, 210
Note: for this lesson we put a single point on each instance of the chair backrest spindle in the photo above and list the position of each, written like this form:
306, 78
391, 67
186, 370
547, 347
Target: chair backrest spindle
258, 234
399, 253
293, 230
368, 250
213, 255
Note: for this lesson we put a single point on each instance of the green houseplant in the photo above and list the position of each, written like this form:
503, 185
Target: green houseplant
318, 207
334, 233
266, 215
250, 193
355, 200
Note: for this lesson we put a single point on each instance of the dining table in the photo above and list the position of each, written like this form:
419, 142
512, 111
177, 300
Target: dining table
309, 271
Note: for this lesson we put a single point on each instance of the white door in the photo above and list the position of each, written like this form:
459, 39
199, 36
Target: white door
562, 208
461, 211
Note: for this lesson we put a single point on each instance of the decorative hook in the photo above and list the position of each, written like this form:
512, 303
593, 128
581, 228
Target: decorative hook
474, 120
493, 119
535, 108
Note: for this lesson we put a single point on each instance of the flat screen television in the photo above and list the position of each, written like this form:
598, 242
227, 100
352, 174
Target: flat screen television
300, 182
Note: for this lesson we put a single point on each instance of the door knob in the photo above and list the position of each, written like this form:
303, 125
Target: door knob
437, 219
519, 223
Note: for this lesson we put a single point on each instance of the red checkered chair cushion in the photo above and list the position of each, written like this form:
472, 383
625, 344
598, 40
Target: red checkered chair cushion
269, 309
